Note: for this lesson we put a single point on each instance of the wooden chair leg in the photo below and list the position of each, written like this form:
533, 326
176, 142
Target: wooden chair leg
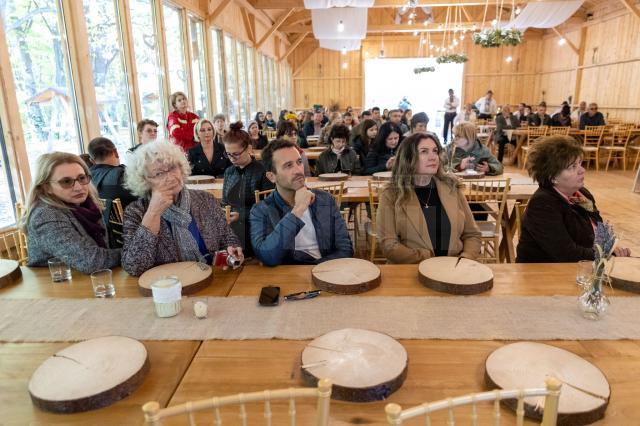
608, 161
635, 163
597, 161
373, 244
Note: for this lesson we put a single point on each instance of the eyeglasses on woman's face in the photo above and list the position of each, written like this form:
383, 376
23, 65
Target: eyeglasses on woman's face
161, 174
235, 155
69, 182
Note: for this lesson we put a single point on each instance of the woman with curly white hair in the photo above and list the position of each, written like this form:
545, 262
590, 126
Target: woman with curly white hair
170, 223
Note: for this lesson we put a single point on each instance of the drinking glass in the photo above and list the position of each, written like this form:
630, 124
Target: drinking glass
102, 283
60, 271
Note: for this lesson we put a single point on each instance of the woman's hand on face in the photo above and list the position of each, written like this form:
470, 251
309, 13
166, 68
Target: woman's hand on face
482, 167
390, 162
161, 199
466, 162
622, 252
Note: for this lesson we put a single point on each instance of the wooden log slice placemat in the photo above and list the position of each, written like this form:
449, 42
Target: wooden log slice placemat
333, 177
346, 276
585, 391
467, 277
363, 365
382, 175
194, 276
200, 179
10, 272
89, 375
470, 174
625, 274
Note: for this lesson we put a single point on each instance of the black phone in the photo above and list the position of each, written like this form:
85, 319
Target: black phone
269, 296
483, 160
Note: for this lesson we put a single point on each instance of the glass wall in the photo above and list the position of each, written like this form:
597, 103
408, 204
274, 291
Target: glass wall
218, 71
175, 51
251, 84
40, 62
232, 97
198, 68
109, 76
273, 96
146, 50
242, 82
265, 86
7, 196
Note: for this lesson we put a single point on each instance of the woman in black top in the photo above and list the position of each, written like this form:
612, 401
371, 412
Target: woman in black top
259, 118
363, 141
338, 157
258, 140
207, 157
382, 156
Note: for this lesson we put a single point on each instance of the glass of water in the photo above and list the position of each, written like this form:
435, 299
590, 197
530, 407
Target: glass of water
584, 274
60, 270
102, 283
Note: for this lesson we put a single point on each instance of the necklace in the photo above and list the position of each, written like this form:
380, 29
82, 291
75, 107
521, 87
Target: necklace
426, 204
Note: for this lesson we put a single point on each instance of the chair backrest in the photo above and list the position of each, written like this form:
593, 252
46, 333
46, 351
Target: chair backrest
260, 195
270, 134
593, 135
116, 218
535, 132
551, 393
560, 131
491, 197
520, 208
13, 245
153, 414
335, 189
227, 213
375, 188
620, 137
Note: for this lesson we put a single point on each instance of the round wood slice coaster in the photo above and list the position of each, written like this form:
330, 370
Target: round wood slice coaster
585, 391
333, 176
89, 375
363, 365
625, 273
194, 276
382, 175
469, 175
200, 179
346, 276
467, 277
10, 272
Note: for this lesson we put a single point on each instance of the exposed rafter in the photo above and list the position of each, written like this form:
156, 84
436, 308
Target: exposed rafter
294, 44
630, 4
249, 24
308, 56
569, 42
218, 10
275, 27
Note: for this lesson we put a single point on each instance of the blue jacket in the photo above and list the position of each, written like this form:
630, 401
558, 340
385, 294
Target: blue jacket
274, 229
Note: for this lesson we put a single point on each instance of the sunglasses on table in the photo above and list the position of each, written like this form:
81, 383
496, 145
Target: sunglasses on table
69, 182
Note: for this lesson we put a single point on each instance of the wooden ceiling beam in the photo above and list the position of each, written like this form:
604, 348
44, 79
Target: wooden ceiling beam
275, 27
630, 4
293, 46
298, 17
218, 10
286, 4
298, 69
249, 24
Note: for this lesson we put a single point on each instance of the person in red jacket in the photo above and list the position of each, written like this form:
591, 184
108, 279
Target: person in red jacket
180, 122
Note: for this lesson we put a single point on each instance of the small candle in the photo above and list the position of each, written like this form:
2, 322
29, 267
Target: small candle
200, 310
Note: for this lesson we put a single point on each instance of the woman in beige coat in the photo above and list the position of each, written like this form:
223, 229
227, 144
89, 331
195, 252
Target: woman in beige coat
423, 212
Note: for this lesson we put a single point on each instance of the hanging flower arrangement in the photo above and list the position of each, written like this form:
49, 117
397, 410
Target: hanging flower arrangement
496, 37
454, 58
423, 69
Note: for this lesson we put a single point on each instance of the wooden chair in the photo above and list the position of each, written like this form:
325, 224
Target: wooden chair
558, 131
616, 146
635, 147
13, 245
270, 134
115, 220
227, 213
153, 414
375, 188
533, 133
335, 189
260, 195
591, 144
520, 208
551, 393
488, 201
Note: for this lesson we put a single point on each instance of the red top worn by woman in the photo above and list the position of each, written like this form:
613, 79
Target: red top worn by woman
180, 129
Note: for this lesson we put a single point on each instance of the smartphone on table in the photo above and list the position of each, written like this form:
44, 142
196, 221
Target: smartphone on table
269, 296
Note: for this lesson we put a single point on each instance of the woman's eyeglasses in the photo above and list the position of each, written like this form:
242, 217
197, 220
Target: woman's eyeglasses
69, 182
235, 155
162, 174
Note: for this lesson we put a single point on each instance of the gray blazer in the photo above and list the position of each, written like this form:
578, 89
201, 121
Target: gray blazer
55, 232
501, 125
142, 250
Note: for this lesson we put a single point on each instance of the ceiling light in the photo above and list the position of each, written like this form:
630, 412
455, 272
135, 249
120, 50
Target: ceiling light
415, 33
494, 22
345, 65
455, 42
426, 22
412, 15
518, 10
343, 50
404, 9
509, 59
473, 28
431, 46
340, 26
423, 41
410, 22
461, 36
562, 41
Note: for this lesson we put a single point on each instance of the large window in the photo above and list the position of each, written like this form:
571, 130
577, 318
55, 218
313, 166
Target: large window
109, 77
146, 50
175, 50
218, 72
251, 84
7, 196
242, 82
40, 62
265, 85
273, 84
232, 98
198, 69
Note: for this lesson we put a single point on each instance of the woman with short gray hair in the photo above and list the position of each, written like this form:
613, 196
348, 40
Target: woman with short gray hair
170, 223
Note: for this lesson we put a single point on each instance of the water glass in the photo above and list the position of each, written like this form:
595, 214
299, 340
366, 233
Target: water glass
60, 271
584, 274
102, 283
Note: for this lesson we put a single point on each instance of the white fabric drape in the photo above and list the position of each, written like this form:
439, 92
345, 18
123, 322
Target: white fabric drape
325, 23
543, 14
326, 4
346, 44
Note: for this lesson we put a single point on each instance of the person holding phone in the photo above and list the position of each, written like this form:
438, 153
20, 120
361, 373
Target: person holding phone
338, 157
295, 225
467, 153
383, 154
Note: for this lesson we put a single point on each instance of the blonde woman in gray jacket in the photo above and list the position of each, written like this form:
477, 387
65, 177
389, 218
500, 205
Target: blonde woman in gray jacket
64, 218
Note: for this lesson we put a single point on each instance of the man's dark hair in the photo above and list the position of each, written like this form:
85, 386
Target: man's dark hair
340, 132
375, 109
394, 110
144, 122
366, 113
273, 146
101, 148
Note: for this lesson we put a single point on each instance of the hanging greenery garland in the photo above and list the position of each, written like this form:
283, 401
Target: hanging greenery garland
453, 58
423, 69
496, 37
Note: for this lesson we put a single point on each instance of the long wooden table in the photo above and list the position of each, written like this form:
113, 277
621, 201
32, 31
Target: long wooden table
183, 370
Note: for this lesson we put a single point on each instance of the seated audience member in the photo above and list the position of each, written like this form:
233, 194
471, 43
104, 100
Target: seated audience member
540, 118
258, 140
383, 153
147, 132
363, 142
524, 118
269, 121
563, 118
63, 217
375, 115
349, 121
575, 115
559, 223
422, 212
107, 174
335, 120
338, 157
405, 118
419, 123
385, 115
564, 104
505, 121
467, 152
170, 223
395, 117
314, 127
467, 115
207, 157
295, 225
241, 180
592, 117
288, 131
181, 122
219, 127
520, 114
87, 159
259, 119
355, 131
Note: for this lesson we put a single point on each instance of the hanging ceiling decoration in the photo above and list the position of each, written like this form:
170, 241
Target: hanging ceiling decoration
545, 14
345, 45
498, 34
339, 23
326, 4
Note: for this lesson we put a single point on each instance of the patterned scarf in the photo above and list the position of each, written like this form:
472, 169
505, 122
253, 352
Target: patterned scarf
90, 217
582, 201
179, 216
